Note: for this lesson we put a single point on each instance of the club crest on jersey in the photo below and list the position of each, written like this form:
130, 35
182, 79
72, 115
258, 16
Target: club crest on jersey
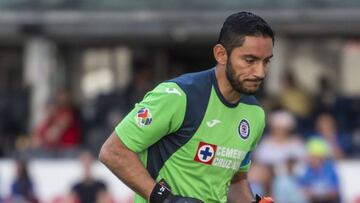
244, 129
205, 153
143, 117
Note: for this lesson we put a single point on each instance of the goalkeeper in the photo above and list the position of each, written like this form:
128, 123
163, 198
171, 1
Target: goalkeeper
190, 139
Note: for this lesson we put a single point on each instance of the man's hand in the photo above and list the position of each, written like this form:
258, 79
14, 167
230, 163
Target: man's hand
162, 194
259, 199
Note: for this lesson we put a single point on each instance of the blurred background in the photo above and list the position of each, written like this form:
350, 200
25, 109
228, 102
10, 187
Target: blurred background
71, 69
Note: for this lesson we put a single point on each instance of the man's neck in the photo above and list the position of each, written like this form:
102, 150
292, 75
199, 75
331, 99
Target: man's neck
228, 92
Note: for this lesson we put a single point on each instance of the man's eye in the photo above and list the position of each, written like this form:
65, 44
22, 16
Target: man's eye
249, 60
267, 61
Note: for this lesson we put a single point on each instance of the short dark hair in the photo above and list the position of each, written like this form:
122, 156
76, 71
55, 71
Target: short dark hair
241, 24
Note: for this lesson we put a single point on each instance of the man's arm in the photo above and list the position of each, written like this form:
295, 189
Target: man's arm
240, 191
126, 165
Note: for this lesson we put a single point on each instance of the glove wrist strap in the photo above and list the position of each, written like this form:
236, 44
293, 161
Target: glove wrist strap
160, 193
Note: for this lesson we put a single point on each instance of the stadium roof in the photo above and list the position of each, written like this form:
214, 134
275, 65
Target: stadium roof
126, 5
171, 19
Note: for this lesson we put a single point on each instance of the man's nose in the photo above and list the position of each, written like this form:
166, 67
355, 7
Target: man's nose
260, 70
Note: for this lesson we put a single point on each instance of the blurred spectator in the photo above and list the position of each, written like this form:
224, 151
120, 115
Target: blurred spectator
320, 180
177, 68
89, 190
280, 142
60, 130
22, 189
142, 82
355, 143
296, 100
326, 96
261, 178
326, 128
14, 109
347, 113
356, 200
286, 188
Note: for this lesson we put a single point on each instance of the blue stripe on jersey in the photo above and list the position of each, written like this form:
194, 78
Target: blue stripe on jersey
249, 99
197, 87
246, 159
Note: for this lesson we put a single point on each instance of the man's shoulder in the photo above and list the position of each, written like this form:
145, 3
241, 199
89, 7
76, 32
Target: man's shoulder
194, 78
197, 88
195, 81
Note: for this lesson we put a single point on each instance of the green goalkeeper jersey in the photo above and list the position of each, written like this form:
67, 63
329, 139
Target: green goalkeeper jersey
186, 133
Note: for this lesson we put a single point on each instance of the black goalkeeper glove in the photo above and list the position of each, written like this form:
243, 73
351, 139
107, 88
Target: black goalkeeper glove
259, 199
162, 194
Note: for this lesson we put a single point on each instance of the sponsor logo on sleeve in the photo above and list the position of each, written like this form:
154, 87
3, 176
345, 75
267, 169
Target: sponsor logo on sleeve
244, 129
143, 117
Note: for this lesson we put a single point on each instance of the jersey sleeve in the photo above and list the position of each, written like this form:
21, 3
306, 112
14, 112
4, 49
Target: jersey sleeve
160, 113
246, 163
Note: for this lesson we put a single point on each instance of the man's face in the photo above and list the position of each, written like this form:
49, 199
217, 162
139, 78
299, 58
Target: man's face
247, 65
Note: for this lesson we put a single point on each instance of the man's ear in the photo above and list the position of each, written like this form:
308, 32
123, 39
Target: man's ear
220, 54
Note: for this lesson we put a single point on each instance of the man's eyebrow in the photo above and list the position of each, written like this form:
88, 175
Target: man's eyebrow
269, 57
251, 56
256, 57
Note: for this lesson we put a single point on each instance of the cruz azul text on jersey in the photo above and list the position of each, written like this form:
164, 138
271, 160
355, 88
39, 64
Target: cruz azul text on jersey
219, 156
